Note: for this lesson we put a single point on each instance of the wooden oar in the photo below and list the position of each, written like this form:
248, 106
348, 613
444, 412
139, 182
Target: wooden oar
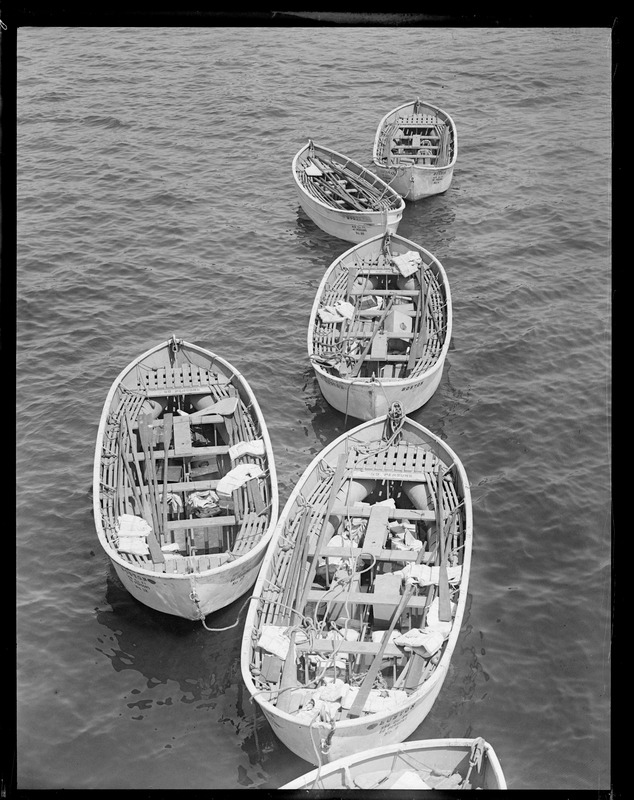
357, 367
353, 178
417, 341
336, 189
145, 435
289, 677
336, 485
416, 661
444, 606
124, 502
368, 682
294, 569
167, 438
155, 548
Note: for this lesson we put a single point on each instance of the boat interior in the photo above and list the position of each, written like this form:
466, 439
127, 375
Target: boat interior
184, 452
442, 767
343, 185
421, 139
358, 601
394, 326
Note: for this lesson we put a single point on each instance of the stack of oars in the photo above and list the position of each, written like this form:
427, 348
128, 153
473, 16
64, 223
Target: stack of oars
331, 188
289, 673
370, 197
141, 491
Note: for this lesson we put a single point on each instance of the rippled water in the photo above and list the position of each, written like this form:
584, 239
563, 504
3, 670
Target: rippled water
155, 197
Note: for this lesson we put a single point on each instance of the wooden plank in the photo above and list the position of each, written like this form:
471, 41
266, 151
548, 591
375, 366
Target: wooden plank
418, 342
173, 391
392, 292
155, 549
365, 598
391, 475
357, 367
196, 452
200, 522
182, 436
379, 347
417, 661
192, 486
355, 552
168, 420
249, 534
444, 606
337, 482
376, 530
341, 645
150, 471
412, 514
253, 491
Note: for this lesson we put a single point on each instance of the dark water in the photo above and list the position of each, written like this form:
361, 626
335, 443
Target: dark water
155, 197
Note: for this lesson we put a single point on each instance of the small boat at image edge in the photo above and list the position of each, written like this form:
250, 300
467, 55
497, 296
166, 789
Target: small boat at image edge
185, 494
359, 602
342, 197
380, 327
415, 150
453, 764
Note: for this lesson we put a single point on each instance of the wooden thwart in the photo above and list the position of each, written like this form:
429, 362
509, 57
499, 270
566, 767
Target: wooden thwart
411, 514
345, 646
200, 522
365, 598
195, 452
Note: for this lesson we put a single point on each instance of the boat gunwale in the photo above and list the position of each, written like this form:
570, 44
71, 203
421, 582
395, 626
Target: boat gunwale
421, 167
237, 561
409, 380
442, 667
370, 213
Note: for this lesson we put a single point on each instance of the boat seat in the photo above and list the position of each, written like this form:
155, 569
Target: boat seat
409, 514
415, 120
181, 375
396, 556
200, 522
324, 596
192, 486
400, 462
195, 452
345, 646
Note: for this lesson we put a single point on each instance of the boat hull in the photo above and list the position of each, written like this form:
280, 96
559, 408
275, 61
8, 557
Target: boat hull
369, 399
350, 226
318, 739
414, 178
380, 383
370, 769
314, 742
192, 596
214, 570
347, 223
414, 182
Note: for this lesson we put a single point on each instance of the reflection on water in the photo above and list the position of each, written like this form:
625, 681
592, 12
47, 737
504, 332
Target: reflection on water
164, 648
181, 662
